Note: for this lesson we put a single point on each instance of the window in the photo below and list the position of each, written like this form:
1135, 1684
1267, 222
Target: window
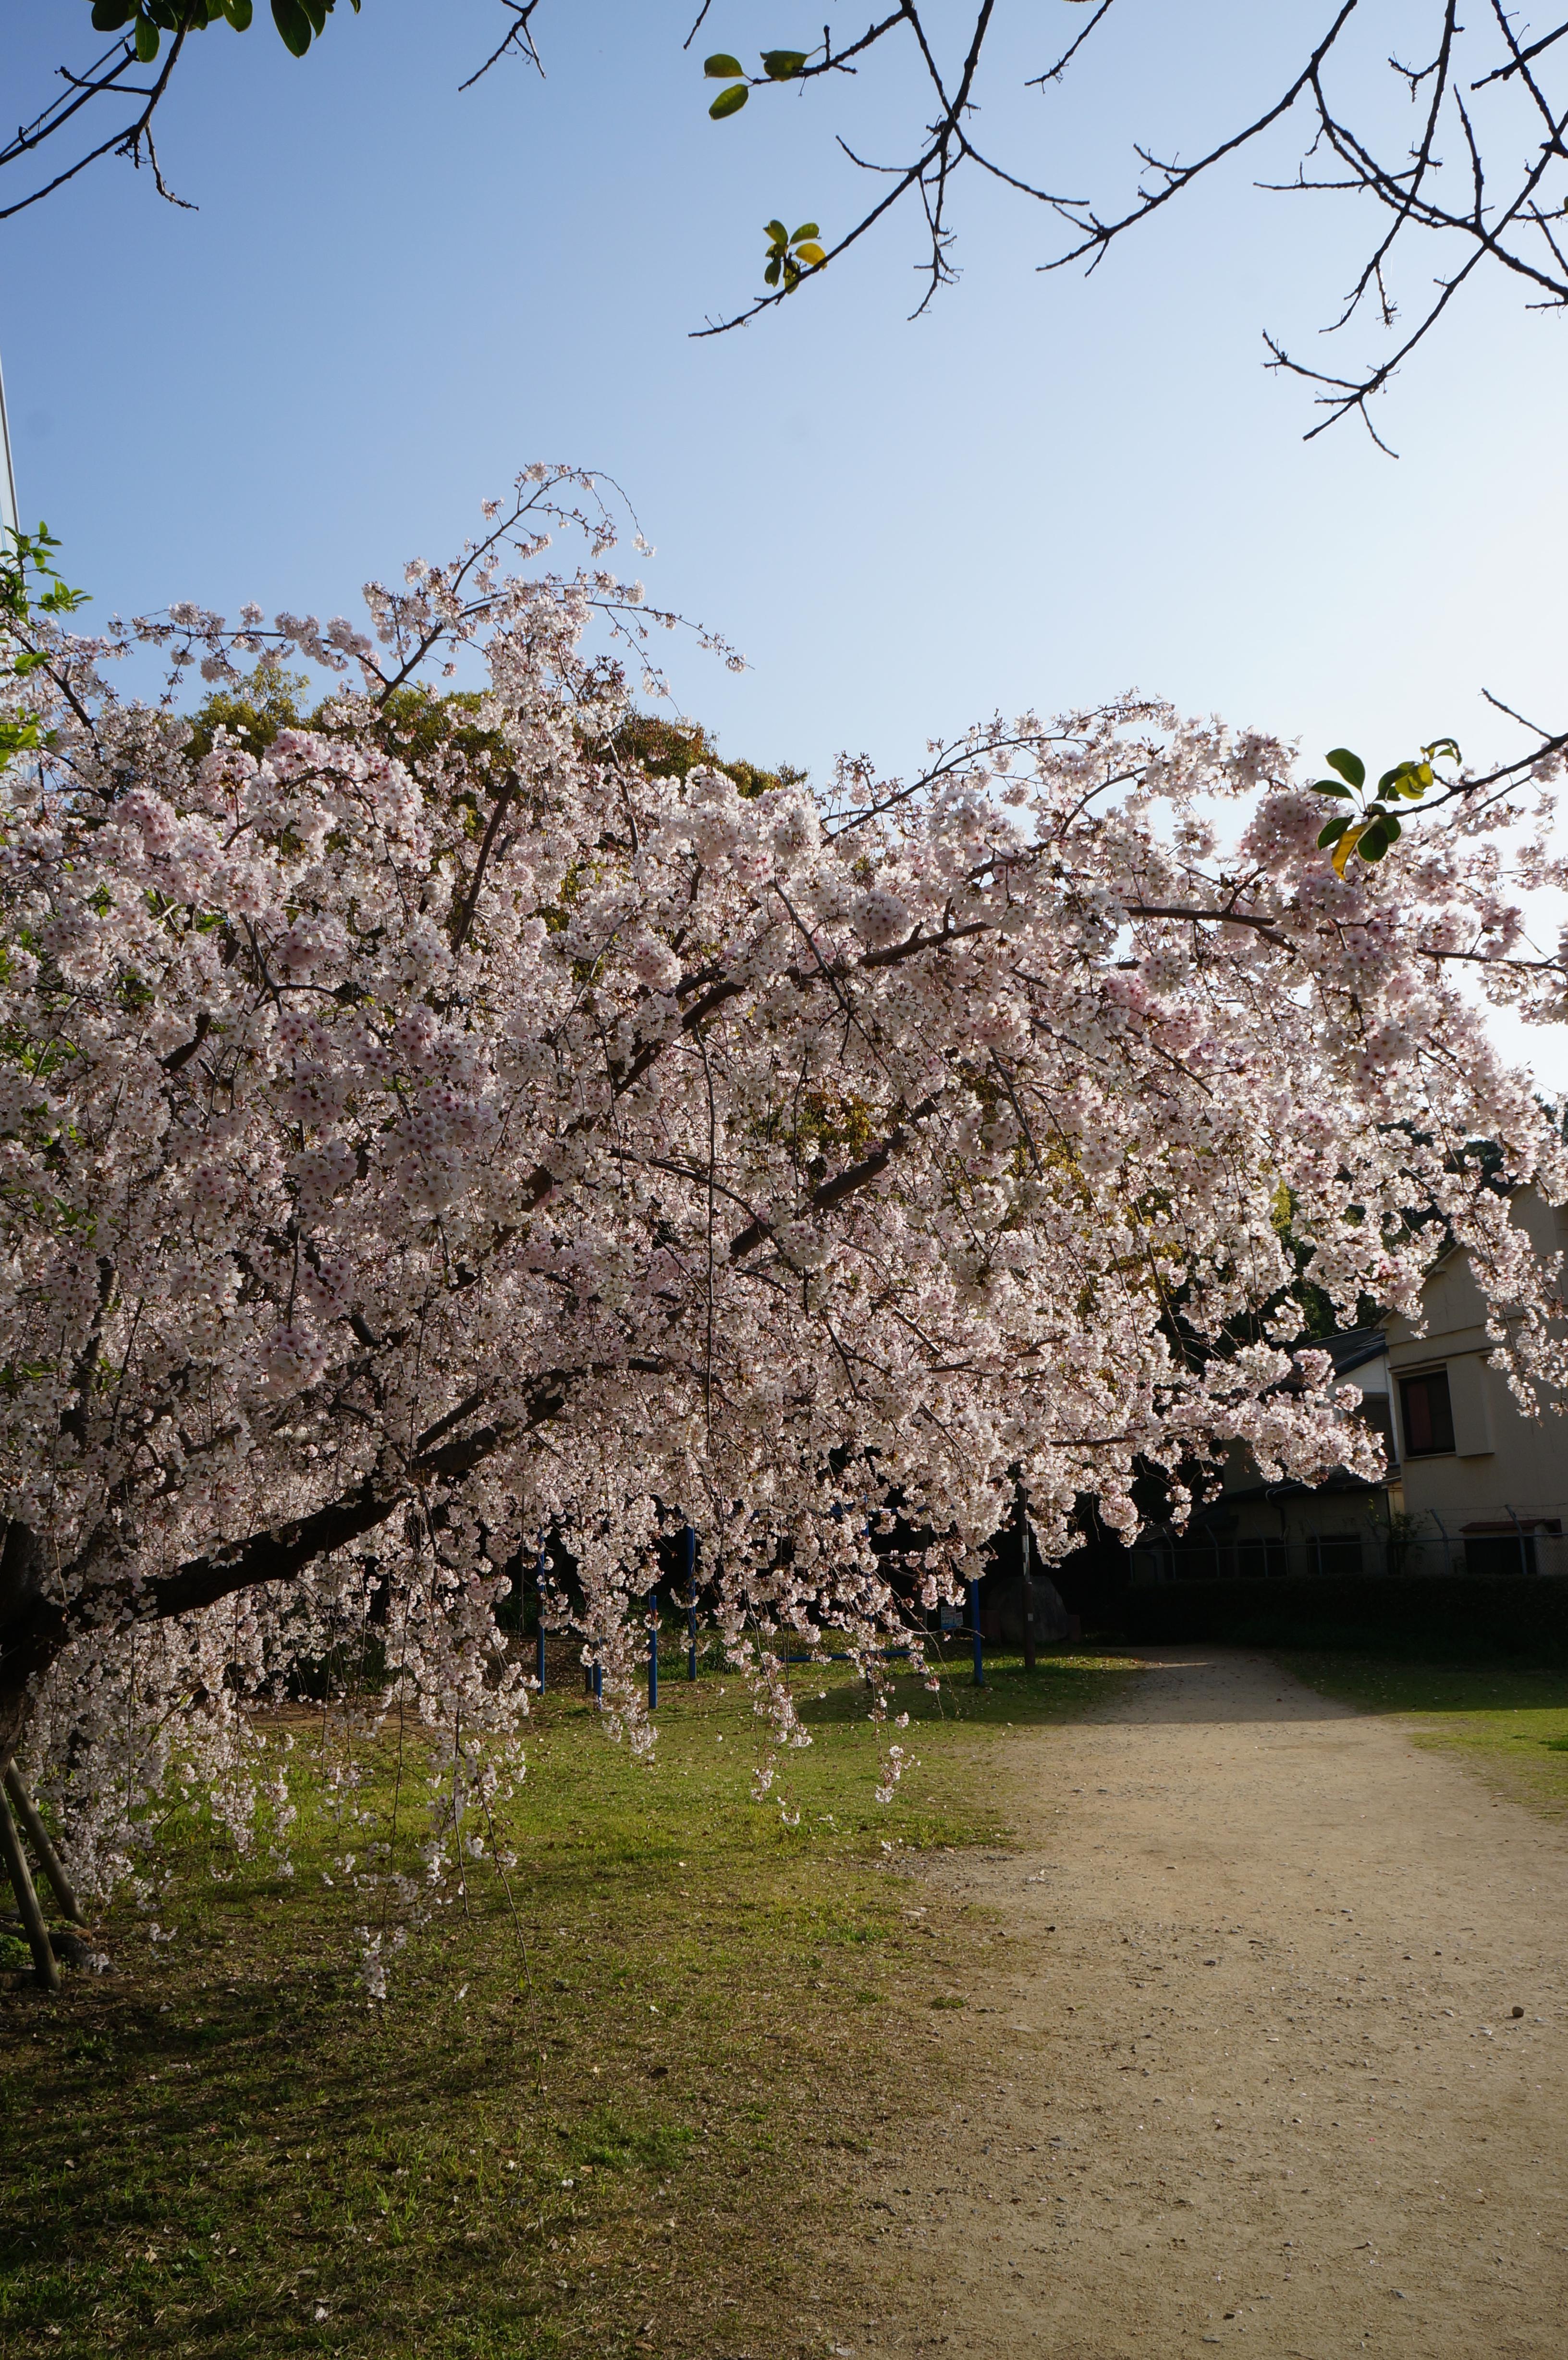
1428, 1414
1492, 1557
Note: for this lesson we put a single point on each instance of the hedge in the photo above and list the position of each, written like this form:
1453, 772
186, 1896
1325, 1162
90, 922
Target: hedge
1432, 1615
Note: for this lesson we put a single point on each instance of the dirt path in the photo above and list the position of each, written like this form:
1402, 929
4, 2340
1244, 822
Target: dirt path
1251, 2068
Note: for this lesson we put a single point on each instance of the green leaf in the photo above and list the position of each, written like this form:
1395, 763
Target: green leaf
316, 10
728, 102
293, 24
108, 16
1442, 749
771, 273
239, 13
722, 67
17, 737
1378, 834
807, 229
810, 254
782, 65
1332, 832
146, 40
1349, 766
1345, 847
1330, 787
774, 231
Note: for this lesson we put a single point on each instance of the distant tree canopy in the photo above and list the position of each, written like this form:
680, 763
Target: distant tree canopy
254, 710
1465, 144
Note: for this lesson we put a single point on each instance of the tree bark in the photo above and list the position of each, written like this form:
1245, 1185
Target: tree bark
44, 1961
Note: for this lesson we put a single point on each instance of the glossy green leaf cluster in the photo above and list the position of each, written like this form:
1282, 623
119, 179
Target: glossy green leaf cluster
778, 65
791, 252
1371, 827
298, 22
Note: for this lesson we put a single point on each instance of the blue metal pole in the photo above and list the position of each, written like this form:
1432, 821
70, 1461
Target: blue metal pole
653, 1649
598, 1683
690, 1603
979, 1643
538, 1600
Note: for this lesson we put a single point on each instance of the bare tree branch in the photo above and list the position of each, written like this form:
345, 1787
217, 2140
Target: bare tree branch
1484, 179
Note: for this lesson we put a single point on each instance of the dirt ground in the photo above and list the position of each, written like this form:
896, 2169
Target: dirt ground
1268, 2045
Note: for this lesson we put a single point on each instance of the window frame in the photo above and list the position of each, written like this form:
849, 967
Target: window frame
1425, 1377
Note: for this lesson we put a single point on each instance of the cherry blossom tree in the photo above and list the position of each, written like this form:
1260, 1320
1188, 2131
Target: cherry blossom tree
436, 1129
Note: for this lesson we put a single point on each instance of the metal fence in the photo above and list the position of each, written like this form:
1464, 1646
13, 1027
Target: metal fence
1525, 1548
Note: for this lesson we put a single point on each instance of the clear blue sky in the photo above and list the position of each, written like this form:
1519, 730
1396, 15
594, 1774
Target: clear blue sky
392, 296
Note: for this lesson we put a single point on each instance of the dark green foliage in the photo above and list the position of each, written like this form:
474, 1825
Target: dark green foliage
669, 749
298, 22
254, 714
420, 728
1408, 1614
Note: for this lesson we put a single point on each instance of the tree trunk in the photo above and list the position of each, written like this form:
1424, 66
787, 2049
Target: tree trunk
32, 1916
48, 1857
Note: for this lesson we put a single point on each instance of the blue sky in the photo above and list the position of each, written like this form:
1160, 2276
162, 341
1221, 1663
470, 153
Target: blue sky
392, 296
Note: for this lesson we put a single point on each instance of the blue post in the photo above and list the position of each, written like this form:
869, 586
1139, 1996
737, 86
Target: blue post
653, 1649
979, 1643
598, 1683
538, 1588
690, 1603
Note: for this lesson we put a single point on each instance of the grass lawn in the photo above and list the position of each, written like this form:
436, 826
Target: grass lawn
1509, 1723
618, 2123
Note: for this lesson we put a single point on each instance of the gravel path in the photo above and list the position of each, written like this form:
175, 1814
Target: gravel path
1271, 2047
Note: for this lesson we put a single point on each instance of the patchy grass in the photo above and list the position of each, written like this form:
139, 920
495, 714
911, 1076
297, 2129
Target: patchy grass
1509, 1724
616, 2124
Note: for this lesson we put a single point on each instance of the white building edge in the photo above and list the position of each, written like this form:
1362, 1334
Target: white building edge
1474, 1486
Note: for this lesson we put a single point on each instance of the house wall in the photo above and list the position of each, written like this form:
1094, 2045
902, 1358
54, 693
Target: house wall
1503, 1464
1325, 1530
1311, 1523
1482, 1508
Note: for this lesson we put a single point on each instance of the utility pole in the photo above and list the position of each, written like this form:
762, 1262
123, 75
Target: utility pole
10, 521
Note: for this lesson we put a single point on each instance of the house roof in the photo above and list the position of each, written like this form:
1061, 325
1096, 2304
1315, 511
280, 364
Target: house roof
1291, 1488
1352, 1350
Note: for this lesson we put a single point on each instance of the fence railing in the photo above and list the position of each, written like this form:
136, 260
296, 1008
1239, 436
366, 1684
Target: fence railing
1527, 1549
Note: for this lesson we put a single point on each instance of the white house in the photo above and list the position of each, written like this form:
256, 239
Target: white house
1473, 1485
1482, 1487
